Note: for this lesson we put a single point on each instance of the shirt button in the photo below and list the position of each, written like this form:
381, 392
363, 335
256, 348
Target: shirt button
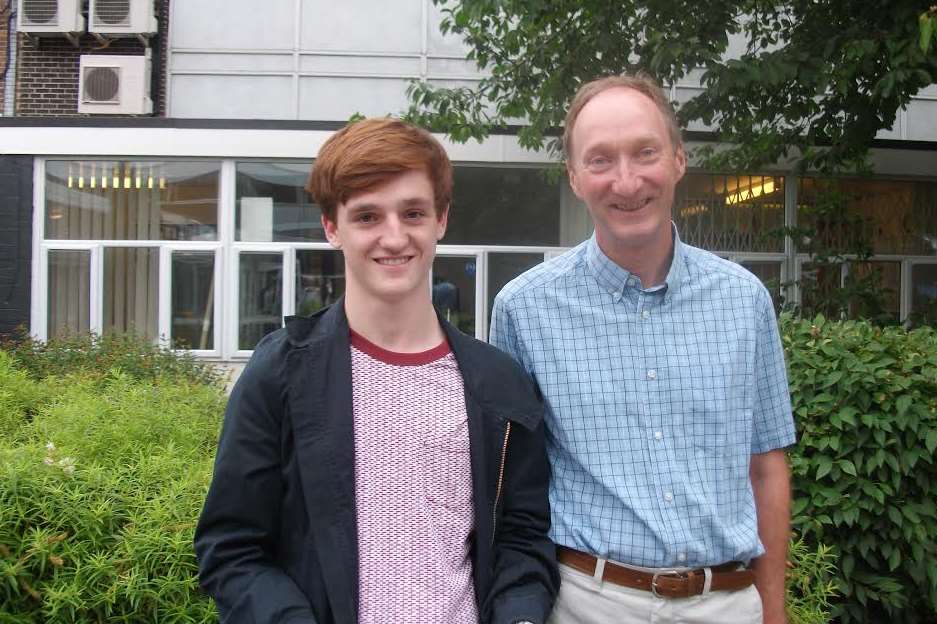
645, 314
681, 557
668, 496
658, 435
652, 374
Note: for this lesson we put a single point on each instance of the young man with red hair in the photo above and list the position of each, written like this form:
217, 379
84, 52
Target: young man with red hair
376, 465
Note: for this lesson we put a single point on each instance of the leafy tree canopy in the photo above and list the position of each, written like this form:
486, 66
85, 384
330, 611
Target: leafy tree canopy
816, 80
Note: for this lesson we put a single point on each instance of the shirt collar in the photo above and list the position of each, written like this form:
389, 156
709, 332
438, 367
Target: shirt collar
614, 278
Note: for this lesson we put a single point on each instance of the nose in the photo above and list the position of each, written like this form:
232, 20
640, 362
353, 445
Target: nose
626, 180
393, 235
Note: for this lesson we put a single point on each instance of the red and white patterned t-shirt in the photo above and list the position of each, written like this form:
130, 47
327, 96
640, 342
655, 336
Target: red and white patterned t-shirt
413, 487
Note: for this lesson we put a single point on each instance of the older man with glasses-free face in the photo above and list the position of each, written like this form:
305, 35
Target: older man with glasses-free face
667, 399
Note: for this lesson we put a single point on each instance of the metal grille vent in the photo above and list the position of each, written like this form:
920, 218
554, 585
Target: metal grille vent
112, 13
101, 85
41, 12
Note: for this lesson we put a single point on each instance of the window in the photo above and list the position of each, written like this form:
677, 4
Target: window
503, 206
730, 213
131, 200
273, 205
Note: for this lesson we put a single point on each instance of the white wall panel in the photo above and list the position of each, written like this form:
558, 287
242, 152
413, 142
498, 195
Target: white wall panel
457, 68
337, 99
438, 43
363, 25
360, 64
232, 97
922, 120
233, 24
222, 62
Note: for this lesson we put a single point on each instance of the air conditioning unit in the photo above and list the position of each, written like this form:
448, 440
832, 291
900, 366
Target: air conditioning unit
49, 16
114, 85
121, 17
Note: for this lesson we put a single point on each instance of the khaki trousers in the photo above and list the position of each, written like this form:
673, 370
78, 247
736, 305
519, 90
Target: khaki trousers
583, 600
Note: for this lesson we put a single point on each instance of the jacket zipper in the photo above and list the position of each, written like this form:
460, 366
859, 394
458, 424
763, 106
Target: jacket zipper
504, 456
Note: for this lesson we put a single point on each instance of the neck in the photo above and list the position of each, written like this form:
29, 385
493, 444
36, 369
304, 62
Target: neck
405, 326
650, 261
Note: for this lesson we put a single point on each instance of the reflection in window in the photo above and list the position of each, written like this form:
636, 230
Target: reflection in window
770, 275
320, 280
924, 294
882, 284
503, 267
503, 206
273, 205
260, 300
882, 216
730, 213
193, 300
131, 288
69, 293
131, 200
454, 290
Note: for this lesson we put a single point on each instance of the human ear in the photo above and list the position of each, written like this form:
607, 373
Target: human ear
331, 232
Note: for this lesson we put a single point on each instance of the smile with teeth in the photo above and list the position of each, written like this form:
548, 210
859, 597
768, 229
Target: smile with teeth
631, 206
396, 261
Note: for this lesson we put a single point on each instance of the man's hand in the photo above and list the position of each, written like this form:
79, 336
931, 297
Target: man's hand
772, 489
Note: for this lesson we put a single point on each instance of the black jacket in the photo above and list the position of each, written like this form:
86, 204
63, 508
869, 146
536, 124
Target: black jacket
277, 539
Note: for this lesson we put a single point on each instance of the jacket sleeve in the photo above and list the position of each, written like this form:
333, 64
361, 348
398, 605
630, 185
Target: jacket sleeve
237, 533
526, 579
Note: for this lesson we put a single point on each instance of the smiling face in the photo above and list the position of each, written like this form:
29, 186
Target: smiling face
624, 167
388, 236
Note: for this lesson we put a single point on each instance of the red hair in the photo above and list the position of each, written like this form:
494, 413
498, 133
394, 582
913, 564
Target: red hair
365, 154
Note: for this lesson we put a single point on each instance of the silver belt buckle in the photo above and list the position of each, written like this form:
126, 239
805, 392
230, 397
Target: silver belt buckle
673, 573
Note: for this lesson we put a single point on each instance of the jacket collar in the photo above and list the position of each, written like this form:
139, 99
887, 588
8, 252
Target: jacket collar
480, 381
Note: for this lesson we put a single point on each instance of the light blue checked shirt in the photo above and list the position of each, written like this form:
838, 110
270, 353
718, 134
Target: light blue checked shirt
656, 400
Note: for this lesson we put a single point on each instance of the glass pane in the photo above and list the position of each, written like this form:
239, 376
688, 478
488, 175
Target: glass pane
261, 297
819, 288
885, 284
273, 205
503, 206
883, 216
730, 213
320, 280
131, 289
193, 300
924, 294
132, 200
454, 290
770, 275
69, 292
503, 267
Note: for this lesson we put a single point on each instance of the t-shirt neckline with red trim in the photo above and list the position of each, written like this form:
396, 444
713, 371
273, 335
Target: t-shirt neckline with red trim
395, 358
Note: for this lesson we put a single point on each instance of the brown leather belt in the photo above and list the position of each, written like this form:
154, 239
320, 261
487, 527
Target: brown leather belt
725, 577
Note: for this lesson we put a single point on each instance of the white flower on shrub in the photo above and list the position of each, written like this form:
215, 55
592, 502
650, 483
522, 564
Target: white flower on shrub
67, 464
50, 447
48, 461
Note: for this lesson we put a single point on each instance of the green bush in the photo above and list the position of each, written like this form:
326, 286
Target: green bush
810, 585
136, 356
864, 472
99, 494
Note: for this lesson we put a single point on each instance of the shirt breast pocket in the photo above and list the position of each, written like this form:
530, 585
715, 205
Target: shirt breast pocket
446, 465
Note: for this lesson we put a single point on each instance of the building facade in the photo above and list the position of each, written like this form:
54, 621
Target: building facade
189, 223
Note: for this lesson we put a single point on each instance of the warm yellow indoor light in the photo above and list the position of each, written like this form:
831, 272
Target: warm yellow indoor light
753, 191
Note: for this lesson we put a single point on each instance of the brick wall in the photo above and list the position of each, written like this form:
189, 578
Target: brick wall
4, 47
16, 198
47, 69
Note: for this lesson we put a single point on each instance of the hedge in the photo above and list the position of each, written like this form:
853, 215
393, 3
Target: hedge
103, 473
864, 472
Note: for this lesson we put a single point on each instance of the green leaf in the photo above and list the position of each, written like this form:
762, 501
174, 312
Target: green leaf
848, 467
903, 403
930, 442
927, 29
824, 464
